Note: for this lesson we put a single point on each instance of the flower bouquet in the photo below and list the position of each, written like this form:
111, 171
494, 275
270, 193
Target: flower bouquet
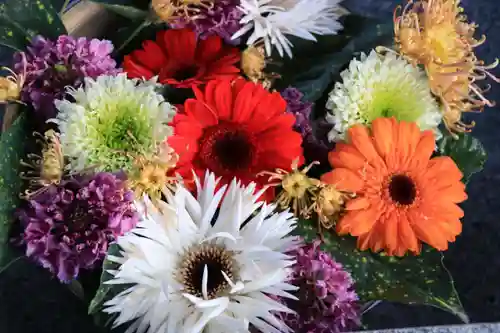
240, 165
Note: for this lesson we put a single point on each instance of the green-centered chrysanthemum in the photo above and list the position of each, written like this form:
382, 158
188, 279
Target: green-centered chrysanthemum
112, 120
381, 86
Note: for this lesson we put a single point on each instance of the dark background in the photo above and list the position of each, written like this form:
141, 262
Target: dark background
33, 302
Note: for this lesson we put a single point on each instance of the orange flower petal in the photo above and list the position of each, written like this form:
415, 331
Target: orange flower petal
408, 139
382, 136
361, 140
443, 168
357, 203
346, 156
391, 233
344, 180
424, 150
407, 235
428, 233
363, 221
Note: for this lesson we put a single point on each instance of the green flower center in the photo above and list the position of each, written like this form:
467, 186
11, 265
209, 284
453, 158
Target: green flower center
393, 102
119, 134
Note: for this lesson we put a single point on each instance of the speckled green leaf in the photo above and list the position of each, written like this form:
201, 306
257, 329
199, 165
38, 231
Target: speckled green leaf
11, 152
12, 35
411, 279
105, 291
315, 66
467, 152
34, 17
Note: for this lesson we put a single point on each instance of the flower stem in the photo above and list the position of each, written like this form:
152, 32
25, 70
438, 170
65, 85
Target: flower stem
13, 261
133, 34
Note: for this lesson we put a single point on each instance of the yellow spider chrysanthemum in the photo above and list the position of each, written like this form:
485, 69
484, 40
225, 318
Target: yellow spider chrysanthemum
297, 188
151, 175
436, 34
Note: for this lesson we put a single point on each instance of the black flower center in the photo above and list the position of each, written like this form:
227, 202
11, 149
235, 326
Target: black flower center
226, 149
185, 73
402, 189
215, 259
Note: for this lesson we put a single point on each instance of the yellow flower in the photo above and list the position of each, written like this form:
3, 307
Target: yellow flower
150, 175
10, 86
171, 10
436, 34
329, 205
297, 188
44, 170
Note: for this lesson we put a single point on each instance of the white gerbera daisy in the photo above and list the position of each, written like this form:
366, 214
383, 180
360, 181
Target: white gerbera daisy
271, 21
112, 119
194, 270
381, 86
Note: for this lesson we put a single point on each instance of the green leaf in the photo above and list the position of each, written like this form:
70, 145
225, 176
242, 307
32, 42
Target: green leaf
76, 289
104, 292
12, 145
139, 4
127, 11
21, 20
467, 152
315, 66
411, 279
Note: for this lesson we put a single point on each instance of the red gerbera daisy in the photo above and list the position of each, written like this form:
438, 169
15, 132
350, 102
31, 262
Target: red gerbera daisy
235, 129
182, 61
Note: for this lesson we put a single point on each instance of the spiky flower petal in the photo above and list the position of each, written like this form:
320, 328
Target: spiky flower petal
436, 34
381, 86
189, 267
271, 21
112, 120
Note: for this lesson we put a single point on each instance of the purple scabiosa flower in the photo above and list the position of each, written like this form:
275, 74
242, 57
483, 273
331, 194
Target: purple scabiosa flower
327, 302
68, 227
53, 66
221, 18
314, 147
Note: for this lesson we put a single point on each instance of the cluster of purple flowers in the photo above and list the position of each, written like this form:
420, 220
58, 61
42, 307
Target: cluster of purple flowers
316, 146
50, 67
327, 302
221, 19
68, 227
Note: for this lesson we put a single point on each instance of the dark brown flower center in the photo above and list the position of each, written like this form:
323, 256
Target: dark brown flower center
227, 149
402, 189
192, 265
185, 73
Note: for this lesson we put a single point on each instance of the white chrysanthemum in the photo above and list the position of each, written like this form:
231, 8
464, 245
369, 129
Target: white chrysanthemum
381, 86
112, 119
272, 20
190, 268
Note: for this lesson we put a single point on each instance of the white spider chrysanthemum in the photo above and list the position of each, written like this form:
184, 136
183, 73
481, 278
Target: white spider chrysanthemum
111, 119
192, 269
272, 20
381, 86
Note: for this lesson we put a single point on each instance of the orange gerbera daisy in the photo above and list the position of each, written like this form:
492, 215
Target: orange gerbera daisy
403, 196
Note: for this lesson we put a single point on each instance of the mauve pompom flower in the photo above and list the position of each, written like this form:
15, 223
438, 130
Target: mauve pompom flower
327, 300
221, 19
53, 66
69, 227
314, 147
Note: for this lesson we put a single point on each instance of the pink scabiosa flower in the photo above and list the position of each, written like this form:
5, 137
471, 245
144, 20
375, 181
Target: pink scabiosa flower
68, 227
52, 66
314, 148
221, 18
327, 302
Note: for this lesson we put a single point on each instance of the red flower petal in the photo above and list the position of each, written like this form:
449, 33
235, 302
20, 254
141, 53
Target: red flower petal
182, 61
245, 131
135, 70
